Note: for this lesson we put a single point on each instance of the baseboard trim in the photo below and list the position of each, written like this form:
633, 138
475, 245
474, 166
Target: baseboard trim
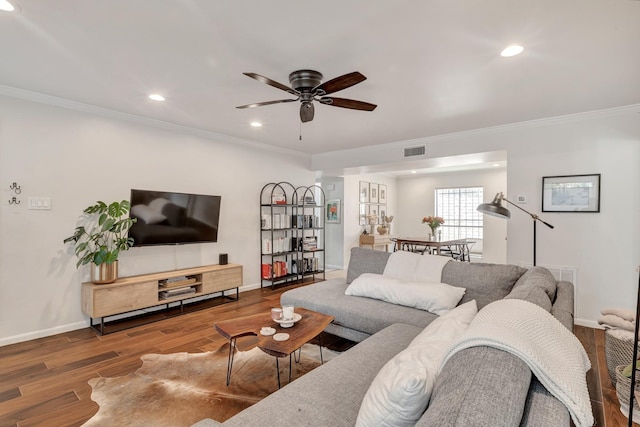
43, 333
588, 323
74, 326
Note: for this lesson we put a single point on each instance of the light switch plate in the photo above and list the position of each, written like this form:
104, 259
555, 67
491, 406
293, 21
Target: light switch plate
39, 203
521, 199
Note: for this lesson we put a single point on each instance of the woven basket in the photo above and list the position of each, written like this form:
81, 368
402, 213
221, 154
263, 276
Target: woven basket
617, 351
623, 385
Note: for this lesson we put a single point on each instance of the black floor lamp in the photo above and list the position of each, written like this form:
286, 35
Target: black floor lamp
495, 208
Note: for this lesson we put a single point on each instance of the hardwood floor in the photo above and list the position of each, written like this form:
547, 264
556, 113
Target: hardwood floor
44, 382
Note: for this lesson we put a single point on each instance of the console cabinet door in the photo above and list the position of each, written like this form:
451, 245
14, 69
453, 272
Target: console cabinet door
106, 300
223, 279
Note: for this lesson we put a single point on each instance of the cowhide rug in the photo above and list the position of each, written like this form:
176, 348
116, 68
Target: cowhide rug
182, 388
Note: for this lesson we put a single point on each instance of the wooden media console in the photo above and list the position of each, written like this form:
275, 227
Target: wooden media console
133, 293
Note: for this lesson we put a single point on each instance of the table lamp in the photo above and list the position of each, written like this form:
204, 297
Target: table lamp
495, 208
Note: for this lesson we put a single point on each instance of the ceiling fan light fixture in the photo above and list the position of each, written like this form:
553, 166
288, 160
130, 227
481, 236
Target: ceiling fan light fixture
512, 50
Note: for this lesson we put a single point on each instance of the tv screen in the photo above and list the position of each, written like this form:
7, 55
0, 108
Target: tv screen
165, 218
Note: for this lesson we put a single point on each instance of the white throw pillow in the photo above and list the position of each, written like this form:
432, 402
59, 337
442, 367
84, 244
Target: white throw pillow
400, 393
147, 214
415, 267
436, 298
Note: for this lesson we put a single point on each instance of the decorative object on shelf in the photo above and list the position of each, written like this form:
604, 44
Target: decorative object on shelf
387, 222
571, 193
495, 208
382, 229
101, 239
333, 211
433, 222
372, 221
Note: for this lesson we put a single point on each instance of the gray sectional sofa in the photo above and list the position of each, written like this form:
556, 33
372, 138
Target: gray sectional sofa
479, 386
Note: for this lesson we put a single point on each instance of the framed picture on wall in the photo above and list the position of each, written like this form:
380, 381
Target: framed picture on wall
364, 192
382, 194
373, 193
571, 193
374, 210
364, 212
382, 212
333, 211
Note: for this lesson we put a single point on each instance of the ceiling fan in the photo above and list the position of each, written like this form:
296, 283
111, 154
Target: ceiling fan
307, 86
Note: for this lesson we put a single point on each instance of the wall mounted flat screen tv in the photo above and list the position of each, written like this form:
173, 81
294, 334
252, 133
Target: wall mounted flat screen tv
166, 218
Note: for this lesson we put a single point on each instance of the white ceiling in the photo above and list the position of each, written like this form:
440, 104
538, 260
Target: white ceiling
433, 67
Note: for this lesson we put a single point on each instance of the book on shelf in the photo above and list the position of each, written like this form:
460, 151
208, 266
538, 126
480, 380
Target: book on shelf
171, 293
306, 265
275, 246
305, 221
275, 270
310, 243
277, 221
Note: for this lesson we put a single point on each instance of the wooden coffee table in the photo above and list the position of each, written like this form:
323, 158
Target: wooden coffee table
303, 331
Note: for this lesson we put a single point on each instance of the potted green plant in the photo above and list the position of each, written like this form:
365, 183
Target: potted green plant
102, 238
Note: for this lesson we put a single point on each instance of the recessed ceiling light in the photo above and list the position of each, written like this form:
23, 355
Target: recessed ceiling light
512, 50
495, 165
413, 171
156, 97
6, 6
256, 124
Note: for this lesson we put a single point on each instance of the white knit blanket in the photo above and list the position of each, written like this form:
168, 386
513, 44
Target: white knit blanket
552, 352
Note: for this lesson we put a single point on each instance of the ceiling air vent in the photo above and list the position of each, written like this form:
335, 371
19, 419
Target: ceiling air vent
415, 151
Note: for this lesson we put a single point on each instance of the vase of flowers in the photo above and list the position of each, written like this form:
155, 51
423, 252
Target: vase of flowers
433, 222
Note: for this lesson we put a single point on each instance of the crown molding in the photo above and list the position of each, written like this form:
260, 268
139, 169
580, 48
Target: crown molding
68, 104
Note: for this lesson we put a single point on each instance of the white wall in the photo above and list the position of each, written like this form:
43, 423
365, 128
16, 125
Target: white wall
417, 199
76, 158
604, 247
352, 227
334, 232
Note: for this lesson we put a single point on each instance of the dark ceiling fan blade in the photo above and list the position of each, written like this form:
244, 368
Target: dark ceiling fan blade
260, 104
340, 83
348, 103
267, 80
307, 111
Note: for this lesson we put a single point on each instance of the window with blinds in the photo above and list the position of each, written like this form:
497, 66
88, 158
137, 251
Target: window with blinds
458, 208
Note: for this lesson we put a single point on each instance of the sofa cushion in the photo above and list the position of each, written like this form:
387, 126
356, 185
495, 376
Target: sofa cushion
365, 260
540, 277
531, 293
401, 390
359, 313
484, 283
415, 267
478, 387
436, 298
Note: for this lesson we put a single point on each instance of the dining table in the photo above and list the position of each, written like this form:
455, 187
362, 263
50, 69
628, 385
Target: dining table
457, 248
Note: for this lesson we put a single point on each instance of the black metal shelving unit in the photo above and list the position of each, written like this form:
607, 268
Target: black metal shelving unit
292, 233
